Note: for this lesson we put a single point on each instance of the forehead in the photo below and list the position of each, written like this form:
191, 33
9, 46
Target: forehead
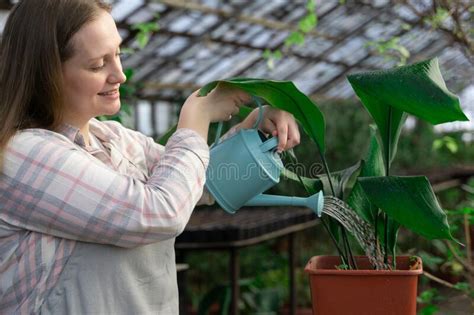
97, 37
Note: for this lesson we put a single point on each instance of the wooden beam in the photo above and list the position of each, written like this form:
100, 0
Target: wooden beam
270, 24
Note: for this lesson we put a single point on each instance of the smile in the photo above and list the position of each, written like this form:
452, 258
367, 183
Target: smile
109, 93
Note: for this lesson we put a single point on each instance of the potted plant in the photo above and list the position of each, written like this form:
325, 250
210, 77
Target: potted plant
379, 200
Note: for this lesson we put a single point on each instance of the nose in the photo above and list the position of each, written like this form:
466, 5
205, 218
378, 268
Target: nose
117, 75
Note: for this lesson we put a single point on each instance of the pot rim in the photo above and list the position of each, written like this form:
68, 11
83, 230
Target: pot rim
312, 269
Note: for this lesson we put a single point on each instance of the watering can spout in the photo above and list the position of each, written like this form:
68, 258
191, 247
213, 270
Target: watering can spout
314, 202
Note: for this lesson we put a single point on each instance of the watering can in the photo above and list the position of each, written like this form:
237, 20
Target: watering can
245, 165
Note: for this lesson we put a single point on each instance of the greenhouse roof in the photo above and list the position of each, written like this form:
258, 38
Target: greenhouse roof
205, 40
201, 41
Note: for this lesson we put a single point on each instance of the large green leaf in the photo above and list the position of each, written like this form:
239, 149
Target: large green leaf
283, 95
410, 201
418, 89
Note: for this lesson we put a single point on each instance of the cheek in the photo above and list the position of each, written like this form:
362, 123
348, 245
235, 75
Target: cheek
83, 85
91, 88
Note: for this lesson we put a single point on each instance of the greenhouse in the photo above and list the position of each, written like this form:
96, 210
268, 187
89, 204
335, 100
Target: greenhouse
237, 157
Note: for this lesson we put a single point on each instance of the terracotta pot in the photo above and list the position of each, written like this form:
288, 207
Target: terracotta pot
364, 291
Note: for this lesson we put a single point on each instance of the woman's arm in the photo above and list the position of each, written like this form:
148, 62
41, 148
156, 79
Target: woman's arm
51, 187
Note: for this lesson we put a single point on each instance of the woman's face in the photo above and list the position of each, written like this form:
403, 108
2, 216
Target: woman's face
93, 74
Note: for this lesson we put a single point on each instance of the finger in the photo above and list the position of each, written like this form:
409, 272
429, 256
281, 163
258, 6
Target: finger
282, 137
236, 110
241, 97
293, 136
268, 126
246, 98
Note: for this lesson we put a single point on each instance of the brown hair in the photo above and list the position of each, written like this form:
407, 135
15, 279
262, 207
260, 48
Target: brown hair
35, 41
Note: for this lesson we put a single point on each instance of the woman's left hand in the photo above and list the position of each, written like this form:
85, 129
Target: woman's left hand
277, 123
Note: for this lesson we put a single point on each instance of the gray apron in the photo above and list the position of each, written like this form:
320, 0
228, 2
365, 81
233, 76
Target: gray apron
103, 279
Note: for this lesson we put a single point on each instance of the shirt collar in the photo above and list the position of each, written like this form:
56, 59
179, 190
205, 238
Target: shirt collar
72, 133
95, 127
101, 131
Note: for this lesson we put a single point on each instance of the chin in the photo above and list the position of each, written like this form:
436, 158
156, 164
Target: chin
112, 110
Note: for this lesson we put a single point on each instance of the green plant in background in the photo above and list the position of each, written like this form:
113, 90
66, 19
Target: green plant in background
452, 262
428, 298
263, 294
446, 142
263, 286
145, 31
391, 50
383, 200
451, 18
440, 16
296, 37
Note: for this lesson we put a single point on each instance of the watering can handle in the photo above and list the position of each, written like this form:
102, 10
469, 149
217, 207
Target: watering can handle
257, 122
269, 145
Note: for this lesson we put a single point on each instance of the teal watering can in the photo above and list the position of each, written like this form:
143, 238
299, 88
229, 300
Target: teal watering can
245, 165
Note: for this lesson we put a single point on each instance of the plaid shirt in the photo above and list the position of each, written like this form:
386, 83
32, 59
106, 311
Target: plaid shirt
123, 190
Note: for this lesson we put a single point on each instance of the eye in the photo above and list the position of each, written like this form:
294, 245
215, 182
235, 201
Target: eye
98, 68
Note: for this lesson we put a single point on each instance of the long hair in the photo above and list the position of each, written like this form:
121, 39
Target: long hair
35, 42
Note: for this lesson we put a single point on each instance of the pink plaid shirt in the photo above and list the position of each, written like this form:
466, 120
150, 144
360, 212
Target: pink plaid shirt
123, 190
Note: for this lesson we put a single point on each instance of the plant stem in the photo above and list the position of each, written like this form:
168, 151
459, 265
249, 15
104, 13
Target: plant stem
345, 243
467, 232
387, 173
326, 170
385, 239
376, 230
351, 256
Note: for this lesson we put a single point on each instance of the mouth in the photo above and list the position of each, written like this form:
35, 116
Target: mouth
109, 93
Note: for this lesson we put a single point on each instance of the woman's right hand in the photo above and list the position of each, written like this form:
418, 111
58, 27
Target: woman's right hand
220, 104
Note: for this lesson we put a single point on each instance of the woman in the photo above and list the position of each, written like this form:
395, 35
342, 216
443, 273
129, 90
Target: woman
89, 210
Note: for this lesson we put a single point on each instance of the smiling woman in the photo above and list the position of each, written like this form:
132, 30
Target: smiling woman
89, 210
92, 76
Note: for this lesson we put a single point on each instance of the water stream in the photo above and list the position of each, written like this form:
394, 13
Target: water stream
358, 227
